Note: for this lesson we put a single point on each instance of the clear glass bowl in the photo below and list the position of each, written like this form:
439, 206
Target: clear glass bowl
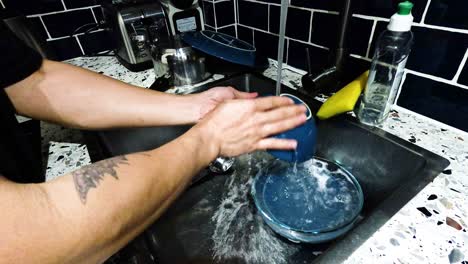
314, 201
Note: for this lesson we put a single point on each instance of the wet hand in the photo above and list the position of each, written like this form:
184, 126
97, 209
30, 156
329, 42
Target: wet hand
211, 98
240, 126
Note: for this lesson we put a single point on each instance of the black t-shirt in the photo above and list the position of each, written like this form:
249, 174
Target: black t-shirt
17, 62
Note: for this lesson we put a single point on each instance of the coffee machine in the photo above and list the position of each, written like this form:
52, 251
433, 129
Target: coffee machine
183, 15
138, 26
134, 26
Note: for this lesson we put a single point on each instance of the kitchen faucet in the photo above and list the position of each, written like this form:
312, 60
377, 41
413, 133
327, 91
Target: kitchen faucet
319, 80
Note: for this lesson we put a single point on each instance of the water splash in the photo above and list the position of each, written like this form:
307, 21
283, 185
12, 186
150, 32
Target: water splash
240, 233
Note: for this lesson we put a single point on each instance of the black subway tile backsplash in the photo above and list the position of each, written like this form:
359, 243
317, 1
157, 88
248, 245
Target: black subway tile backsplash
440, 101
253, 14
359, 32
463, 78
270, 1
64, 24
225, 13
61, 18
79, 3
297, 55
245, 34
230, 30
96, 42
386, 8
267, 44
448, 13
379, 8
99, 15
333, 5
435, 52
208, 8
65, 48
297, 25
325, 32
36, 27
324, 29
31, 7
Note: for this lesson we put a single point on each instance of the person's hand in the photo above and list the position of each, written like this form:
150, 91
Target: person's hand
211, 98
240, 126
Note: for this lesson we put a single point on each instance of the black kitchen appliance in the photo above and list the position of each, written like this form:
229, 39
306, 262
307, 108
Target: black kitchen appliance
134, 25
183, 15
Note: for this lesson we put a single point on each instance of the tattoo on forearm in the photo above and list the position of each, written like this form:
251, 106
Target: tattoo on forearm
89, 176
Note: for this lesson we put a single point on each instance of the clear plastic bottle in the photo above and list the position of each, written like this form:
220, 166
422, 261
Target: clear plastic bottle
391, 53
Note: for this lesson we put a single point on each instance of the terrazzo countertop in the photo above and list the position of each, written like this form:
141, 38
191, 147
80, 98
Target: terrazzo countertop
431, 228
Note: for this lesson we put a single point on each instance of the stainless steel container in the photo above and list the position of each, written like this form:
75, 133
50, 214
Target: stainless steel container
186, 66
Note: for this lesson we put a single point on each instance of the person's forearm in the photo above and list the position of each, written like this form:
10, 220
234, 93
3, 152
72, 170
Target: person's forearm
88, 215
73, 96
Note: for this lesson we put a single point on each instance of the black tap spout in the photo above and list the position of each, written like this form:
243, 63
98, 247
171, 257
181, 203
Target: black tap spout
328, 79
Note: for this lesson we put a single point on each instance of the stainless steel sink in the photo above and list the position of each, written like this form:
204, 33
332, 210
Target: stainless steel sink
390, 170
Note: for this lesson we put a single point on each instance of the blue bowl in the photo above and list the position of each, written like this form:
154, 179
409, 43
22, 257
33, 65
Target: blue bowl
305, 134
311, 202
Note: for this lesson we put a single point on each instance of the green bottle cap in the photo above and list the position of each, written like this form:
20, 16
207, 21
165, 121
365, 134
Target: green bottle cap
404, 8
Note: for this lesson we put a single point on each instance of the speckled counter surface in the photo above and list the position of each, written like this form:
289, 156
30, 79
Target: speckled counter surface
431, 228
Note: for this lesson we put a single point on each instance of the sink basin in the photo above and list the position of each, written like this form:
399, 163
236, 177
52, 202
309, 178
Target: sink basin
390, 171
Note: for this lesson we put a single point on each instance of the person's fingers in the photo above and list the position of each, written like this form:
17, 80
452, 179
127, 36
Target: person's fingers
266, 103
281, 113
243, 95
283, 125
276, 143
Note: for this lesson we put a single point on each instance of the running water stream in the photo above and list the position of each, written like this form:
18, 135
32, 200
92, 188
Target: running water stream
283, 17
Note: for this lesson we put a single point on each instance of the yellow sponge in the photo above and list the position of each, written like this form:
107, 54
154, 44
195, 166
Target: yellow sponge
345, 99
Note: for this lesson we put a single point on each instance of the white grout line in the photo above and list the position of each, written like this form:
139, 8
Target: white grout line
230, 25
316, 10
268, 24
235, 17
237, 11
460, 68
79, 44
43, 24
79, 34
287, 51
420, 74
296, 7
465, 31
370, 38
359, 57
94, 15
206, 25
253, 37
423, 18
310, 43
63, 11
437, 79
310, 25
286, 37
215, 18
64, 6
1, 2
371, 17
